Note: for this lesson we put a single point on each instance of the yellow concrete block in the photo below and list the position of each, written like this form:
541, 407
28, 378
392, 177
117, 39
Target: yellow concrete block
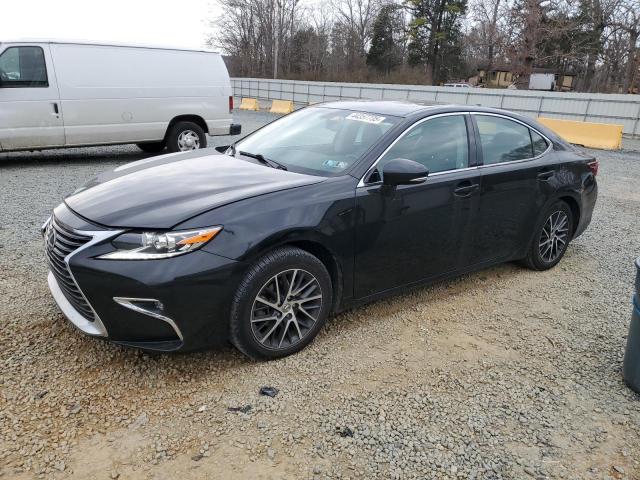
281, 106
250, 104
606, 136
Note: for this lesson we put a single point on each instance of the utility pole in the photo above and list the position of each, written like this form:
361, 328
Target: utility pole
275, 58
278, 27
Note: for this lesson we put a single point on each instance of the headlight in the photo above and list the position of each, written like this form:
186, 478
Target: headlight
153, 245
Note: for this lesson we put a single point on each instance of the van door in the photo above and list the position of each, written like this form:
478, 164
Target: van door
30, 115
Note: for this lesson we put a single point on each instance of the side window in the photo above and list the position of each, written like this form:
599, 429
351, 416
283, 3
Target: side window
440, 144
23, 67
503, 140
540, 145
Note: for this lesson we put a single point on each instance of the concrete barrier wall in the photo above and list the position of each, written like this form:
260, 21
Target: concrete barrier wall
586, 107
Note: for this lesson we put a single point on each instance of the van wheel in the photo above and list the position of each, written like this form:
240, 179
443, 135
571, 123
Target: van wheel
152, 147
186, 136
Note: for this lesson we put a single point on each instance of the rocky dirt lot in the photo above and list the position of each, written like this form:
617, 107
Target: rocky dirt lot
502, 374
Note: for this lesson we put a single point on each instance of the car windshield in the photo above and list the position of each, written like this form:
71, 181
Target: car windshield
318, 140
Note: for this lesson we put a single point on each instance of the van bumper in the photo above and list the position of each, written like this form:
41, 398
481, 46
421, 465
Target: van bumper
226, 128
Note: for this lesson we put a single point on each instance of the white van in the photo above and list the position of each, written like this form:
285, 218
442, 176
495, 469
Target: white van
68, 94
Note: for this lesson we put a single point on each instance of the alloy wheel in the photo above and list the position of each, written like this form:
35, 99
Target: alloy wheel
286, 309
553, 239
188, 140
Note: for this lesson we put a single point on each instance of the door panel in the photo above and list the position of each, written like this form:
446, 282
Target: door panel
510, 192
506, 211
30, 114
410, 233
413, 232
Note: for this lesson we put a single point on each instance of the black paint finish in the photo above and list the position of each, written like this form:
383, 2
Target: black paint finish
374, 239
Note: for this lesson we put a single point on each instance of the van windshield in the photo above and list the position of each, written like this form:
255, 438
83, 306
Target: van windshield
318, 140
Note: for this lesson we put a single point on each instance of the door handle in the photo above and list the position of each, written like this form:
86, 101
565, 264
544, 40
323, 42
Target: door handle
56, 111
465, 189
545, 175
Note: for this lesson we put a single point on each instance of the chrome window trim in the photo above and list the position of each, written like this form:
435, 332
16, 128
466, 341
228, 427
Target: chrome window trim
362, 183
96, 237
444, 172
127, 302
507, 117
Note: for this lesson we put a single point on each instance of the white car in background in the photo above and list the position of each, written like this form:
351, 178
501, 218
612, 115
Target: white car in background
68, 94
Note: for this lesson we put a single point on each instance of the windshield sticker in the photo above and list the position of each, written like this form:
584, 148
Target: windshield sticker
365, 117
334, 164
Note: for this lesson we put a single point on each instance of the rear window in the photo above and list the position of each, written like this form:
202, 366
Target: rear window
503, 140
540, 145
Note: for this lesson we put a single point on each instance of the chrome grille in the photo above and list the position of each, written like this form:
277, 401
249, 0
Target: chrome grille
60, 241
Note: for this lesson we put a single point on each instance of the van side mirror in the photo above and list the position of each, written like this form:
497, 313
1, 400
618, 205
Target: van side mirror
401, 171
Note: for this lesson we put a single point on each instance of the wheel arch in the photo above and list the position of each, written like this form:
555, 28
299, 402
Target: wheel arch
197, 119
570, 199
575, 210
322, 253
310, 243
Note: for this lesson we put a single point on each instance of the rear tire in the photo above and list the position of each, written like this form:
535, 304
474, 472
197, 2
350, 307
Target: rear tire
298, 293
152, 147
186, 136
551, 239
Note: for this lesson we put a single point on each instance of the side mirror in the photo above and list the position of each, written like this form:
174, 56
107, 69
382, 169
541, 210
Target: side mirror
222, 148
401, 171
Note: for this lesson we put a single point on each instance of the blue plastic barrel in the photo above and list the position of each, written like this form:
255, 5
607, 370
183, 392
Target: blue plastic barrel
631, 365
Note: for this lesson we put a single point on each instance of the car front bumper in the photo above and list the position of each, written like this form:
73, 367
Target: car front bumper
180, 303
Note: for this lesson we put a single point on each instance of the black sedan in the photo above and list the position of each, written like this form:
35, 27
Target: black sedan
324, 209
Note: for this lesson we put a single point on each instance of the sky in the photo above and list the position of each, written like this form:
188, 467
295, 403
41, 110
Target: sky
156, 22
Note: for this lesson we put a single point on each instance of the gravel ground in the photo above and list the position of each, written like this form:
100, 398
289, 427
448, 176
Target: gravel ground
502, 374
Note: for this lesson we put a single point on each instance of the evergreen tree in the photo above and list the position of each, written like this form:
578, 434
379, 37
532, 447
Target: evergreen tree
435, 32
385, 53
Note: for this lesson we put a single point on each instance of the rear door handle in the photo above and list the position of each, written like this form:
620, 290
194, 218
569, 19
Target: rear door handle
465, 189
545, 175
56, 111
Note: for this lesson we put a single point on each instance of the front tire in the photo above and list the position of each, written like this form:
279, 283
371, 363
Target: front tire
186, 136
551, 238
281, 304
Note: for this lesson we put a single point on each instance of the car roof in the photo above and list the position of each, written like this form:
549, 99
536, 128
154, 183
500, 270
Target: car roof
379, 107
405, 109
417, 110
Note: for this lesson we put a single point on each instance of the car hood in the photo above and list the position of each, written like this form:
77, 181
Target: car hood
164, 191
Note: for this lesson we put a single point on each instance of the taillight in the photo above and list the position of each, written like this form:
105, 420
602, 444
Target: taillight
593, 166
230, 103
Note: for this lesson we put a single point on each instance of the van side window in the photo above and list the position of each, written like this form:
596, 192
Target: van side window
22, 67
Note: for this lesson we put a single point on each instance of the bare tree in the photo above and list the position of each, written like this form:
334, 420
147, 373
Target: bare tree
629, 22
488, 17
596, 41
358, 17
256, 33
